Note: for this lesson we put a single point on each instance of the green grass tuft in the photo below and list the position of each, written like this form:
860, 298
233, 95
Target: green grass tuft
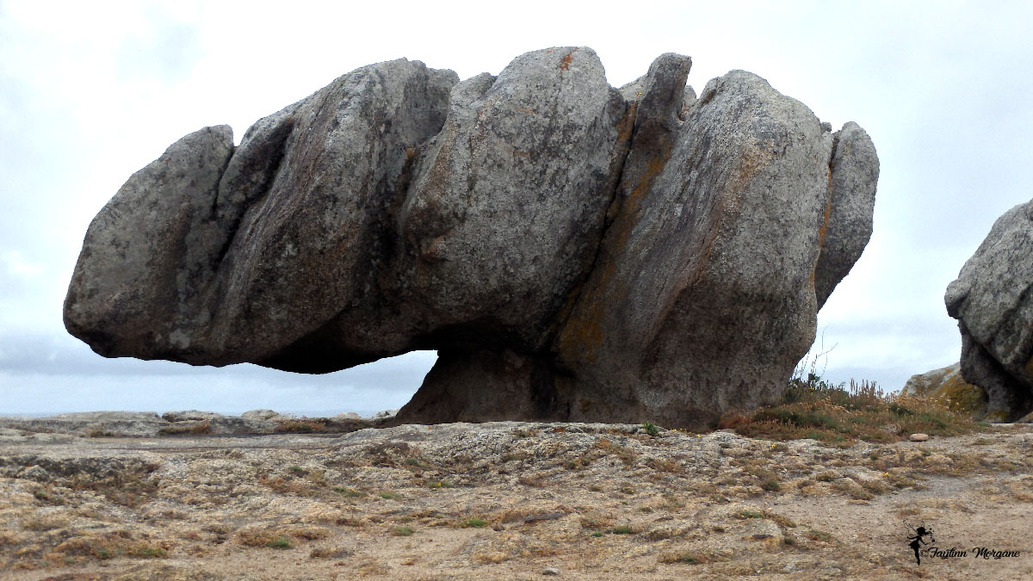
281, 543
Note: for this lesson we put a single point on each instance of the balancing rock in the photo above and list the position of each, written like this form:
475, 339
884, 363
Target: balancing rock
573, 251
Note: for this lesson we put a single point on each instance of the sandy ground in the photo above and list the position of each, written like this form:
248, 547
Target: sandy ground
512, 501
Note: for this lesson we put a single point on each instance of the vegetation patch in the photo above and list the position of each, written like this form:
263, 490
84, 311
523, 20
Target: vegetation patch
403, 531
281, 543
304, 426
349, 492
840, 415
684, 558
109, 545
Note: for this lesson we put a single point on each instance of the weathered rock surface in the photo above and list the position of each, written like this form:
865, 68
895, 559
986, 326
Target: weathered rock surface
573, 251
216, 254
113, 423
992, 302
192, 422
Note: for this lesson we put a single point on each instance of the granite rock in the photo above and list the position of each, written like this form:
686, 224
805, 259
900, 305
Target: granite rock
992, 302
573, 251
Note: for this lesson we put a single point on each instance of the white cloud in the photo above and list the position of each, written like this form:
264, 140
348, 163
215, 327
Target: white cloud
16, 265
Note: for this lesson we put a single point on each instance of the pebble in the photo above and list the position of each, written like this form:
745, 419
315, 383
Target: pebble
919, 437
552, 571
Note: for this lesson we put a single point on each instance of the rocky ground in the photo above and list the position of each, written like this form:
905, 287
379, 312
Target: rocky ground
506, 501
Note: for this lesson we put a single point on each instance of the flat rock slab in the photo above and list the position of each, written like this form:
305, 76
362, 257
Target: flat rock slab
510, 499
186, 423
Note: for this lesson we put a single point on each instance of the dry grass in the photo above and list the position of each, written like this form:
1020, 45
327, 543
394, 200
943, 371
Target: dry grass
106, 546
840, 415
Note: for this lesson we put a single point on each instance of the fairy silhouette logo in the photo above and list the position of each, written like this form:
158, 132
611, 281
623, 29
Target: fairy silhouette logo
921, 541
917, 540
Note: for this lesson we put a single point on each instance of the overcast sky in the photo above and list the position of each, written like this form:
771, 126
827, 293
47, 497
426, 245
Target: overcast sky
92, 91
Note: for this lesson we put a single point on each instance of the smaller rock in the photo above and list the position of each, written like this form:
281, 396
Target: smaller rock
35, 472
947, 387
551, 571
919, 437
95, 424
261, 415
189, 416
186, 427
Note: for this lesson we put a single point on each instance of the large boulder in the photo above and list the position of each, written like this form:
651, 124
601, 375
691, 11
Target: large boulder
573, 251
992, 302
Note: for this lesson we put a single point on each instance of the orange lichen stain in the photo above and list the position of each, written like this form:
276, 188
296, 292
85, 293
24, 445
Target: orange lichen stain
627, 123
582, 334
566, 61
822, 231
825, 223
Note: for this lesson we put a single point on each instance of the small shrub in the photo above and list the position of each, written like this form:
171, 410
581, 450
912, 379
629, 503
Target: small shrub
684, 558
300, 426
608, 448
149, 552
348, 492
402, 531
651, 429
330, 553
282, 543
310, 533
672, 465
475, 523
816, 535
